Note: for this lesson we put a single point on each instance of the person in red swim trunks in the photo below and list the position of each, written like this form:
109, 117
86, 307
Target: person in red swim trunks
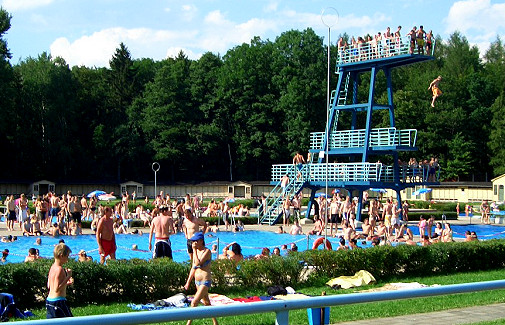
105, 236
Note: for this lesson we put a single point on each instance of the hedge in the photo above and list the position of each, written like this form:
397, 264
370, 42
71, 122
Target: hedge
142, 281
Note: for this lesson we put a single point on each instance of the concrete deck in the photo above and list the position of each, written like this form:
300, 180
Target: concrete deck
467, 315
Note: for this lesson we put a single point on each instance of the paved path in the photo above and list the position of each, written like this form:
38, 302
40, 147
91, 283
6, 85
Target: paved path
451, 316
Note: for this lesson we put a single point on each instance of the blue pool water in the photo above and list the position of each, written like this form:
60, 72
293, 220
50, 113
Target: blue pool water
251, 241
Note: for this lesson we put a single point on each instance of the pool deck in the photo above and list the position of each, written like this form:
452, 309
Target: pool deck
468, 315
306, 228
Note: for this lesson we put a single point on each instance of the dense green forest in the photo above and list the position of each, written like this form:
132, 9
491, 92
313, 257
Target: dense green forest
218, 118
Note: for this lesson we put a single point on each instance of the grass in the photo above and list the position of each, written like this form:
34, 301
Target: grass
355, 311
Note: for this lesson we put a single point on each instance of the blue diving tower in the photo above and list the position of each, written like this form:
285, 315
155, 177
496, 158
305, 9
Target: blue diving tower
353, 152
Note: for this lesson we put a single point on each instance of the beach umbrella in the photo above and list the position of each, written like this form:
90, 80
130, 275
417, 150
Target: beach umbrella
96, 193
106, 197
422, 191
380, 190
320, 194
229, 200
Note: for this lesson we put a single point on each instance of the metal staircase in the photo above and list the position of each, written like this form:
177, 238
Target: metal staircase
275, 199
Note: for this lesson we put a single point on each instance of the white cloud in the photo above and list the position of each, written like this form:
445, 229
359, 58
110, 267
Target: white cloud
216, 33
366, 24
271, 6
18, 5
215, 17
188, 12
98, 48
476, 16
479, 20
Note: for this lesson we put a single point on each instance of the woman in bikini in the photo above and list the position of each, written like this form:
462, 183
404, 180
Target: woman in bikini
202, 258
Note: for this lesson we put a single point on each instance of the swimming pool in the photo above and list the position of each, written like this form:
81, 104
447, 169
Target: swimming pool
483, 231
251, 242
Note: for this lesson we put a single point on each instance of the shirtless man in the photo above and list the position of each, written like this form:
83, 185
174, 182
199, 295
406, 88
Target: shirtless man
435, 90
76, 212
334, 214
11, 208
298, 161
368, 230
373, 213
191, 226
318, 227
212, 208
346, 208
349, 232
23, 213
55, 206
395, 219
84, 207
284, 184
296, 203
286, 214
386, 216
162, 226
296, 229
420, 40
381, 229
105, 236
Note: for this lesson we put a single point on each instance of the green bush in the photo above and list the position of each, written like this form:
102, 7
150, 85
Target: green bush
142, 281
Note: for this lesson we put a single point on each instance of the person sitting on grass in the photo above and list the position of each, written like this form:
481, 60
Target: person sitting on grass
200, 271
57, 281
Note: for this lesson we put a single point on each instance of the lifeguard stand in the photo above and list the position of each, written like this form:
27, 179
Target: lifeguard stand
356, 146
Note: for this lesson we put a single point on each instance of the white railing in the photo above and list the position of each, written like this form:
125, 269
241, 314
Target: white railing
356, 138
336, 172
381, 49
280, 307
356, 172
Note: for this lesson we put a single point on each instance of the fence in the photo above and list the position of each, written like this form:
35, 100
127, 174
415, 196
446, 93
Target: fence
280, 307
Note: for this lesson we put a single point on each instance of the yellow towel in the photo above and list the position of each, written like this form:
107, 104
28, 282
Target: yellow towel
361, 277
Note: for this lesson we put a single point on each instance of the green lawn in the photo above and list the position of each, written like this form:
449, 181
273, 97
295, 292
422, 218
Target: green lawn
356, 311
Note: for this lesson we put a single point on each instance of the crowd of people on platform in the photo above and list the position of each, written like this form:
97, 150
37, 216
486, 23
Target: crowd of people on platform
386, 44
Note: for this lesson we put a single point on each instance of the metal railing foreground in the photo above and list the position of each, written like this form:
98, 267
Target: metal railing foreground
280, 307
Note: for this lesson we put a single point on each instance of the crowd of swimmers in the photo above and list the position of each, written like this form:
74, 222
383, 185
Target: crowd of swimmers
385, 44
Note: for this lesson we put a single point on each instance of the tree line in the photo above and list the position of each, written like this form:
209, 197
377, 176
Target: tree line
231, 117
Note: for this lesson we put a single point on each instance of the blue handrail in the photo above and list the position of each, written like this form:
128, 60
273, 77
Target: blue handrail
280, 307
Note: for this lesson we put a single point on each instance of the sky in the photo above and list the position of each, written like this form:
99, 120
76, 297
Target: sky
87, 32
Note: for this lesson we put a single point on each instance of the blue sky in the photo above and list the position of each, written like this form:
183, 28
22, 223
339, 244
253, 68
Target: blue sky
86, 32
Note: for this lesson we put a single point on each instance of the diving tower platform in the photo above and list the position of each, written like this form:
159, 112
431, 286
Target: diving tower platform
354, 150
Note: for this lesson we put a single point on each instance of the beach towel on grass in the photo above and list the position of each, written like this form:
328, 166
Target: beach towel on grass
176, 301
359, 279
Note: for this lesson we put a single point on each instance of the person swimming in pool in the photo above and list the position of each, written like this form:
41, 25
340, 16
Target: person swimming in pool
200, 271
